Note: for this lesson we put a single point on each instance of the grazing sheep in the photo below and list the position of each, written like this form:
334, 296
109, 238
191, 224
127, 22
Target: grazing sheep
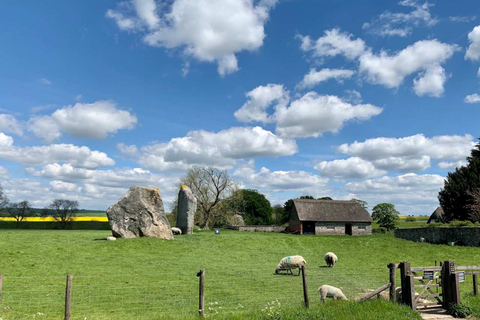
422, 239
327, 291
289, 263
176, 230
330, 259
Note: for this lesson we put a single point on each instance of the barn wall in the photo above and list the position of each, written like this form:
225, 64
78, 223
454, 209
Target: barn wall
361, 229
329, 228
294, 224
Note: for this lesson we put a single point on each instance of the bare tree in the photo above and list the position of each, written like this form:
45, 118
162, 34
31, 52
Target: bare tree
19, 211
210, 186
3, 198
62, 210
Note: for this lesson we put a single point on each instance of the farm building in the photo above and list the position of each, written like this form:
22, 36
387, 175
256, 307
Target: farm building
437, 216
329, 217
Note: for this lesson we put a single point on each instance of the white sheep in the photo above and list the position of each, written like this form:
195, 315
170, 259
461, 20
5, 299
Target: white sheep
176, 230
330, 259
327, 291
289, 263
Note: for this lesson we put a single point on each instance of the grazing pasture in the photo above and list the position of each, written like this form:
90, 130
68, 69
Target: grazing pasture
148, 278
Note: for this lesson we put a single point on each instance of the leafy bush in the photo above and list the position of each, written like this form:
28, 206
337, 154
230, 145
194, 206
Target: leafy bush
459, 310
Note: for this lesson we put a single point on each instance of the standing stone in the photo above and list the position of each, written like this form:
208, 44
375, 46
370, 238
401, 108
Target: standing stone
139, 213
187, 206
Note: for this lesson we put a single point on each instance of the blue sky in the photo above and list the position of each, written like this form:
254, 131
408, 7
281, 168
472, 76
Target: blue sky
375, 100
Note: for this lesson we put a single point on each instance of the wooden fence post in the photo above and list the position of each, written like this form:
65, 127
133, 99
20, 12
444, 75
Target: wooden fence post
201, 293
393, 281
455, 289
68, 297
408, 293
448, 269
405, 270
305, 286
475, 285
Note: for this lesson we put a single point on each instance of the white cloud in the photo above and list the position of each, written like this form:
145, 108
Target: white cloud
61, 186
9, 124
410, 153
473, 51
472, 98
399, 23
208, 30
333, 43
452, 165
4, 172
314, 77
391, 70
45, 81
430, 82
44, 127
314, 114
41, 155
279, 181
78, 97
259, 100
220, 149
351, 168
462, 18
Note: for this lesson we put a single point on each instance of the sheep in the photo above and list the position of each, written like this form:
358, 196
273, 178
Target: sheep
289, 263
327, 291
176, 230
330, 259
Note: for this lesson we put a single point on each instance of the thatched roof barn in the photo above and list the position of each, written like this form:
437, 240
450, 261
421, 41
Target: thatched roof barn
329, 217
437, 216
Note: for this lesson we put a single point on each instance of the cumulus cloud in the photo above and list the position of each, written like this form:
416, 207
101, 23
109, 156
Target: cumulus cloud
351, 168
391, 70
314, 114
61, 186
333, 43
314, 77
472, 98
452, 164
259, 100
208, 30
473, 51
41, 155
430, 82
402, 24
4, 172
86, 120
9, 124
411, 153
220, 149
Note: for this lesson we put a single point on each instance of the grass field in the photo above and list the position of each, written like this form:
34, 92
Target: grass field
149, 278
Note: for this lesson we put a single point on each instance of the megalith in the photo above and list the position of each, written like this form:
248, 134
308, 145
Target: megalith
187, 206
139, 213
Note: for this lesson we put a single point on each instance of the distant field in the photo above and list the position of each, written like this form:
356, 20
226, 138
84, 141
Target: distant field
149, 278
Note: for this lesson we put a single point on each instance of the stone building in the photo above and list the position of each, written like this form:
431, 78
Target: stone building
437, 216
329, 217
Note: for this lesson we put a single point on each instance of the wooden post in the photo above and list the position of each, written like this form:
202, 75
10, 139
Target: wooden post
448, 267
455, 289
475, 285
1, 283
393, 282
405, 269
305, 286
408, 293
201, 292
68, 297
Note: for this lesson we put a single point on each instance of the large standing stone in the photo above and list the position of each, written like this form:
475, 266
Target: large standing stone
139, 213
187, 206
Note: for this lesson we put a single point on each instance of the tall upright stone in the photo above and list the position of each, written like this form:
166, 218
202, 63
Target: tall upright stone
187, 206
139, 213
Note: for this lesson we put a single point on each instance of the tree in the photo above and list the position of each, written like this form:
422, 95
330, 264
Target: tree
256, 208
19, 211
475, 206
62, 210
364, 204
3, 198
307, 197
210, 186
325, 198
456, 196
278, 214
287, 210
386, 215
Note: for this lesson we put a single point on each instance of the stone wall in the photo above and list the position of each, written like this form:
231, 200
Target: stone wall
262, 228
361, 229
329, 228
466, 236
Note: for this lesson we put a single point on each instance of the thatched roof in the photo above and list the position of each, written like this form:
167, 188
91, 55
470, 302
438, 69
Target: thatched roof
437, 216
331, 211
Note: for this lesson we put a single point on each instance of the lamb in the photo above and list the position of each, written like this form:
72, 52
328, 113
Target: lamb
327, 291
289, 263
330, 259
176, 230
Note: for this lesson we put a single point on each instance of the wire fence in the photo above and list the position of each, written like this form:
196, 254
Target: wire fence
173, 295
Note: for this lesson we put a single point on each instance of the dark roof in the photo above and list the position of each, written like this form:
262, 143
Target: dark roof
437, 216
331, 210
